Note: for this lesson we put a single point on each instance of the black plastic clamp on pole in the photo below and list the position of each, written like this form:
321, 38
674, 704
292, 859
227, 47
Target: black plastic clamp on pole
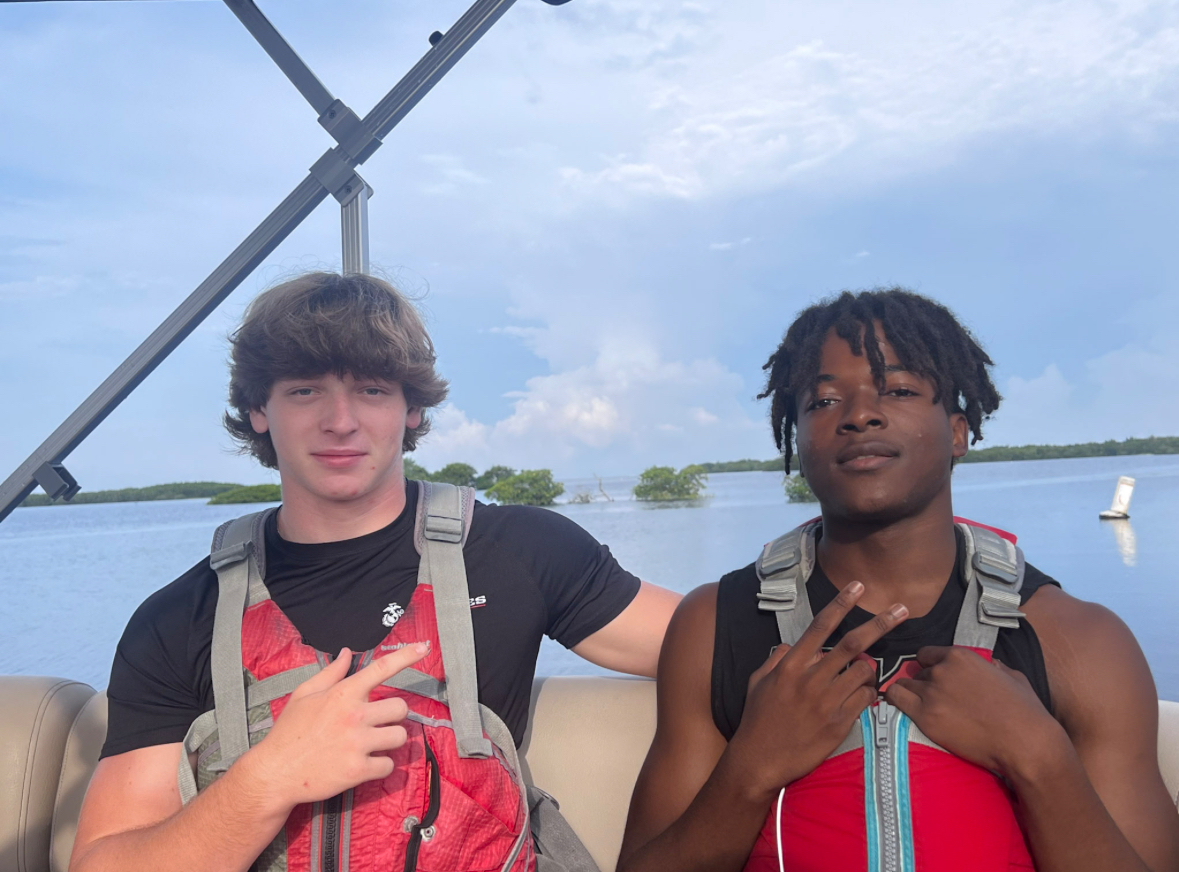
56, 481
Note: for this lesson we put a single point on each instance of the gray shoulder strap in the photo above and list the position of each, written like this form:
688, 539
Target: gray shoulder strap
443, 521
993, 569
783, 569
238, 557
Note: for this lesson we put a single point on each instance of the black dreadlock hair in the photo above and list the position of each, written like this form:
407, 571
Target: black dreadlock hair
927, 339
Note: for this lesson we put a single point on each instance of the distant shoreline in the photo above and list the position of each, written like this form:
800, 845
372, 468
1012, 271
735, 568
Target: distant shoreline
220, 492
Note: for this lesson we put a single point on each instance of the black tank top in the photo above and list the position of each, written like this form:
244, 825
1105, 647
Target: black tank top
745, 635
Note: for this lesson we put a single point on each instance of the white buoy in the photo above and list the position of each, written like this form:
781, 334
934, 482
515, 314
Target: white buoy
1120, 507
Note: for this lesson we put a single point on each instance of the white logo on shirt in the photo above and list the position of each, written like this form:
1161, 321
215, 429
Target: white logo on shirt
392, 615
477, 601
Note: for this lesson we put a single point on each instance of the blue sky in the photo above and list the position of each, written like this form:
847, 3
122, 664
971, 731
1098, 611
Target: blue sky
610, 210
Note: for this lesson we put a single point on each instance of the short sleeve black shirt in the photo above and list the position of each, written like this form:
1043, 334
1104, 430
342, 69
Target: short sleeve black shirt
538, 574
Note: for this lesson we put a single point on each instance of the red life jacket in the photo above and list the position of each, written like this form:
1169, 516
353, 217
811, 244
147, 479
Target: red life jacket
888, 799
455, 801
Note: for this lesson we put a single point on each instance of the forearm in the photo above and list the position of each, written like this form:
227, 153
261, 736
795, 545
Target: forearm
714, 834
1068, 826
223, 829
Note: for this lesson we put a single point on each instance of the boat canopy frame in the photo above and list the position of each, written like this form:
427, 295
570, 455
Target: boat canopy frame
334, 173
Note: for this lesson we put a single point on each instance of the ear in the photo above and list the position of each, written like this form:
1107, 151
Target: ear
413, 418
258, 420
960, 434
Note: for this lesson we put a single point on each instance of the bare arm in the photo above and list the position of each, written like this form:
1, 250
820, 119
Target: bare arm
1105, 806
630, 643
683, 759
132, 817
700, 803
329, 737
1089, 786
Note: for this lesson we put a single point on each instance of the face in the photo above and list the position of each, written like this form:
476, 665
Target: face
337, 439
872, 454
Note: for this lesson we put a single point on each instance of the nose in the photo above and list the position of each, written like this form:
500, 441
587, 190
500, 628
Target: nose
862, 411
338, 415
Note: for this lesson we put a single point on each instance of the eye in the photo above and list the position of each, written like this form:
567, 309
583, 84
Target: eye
902, 392
820, 403
301, 392
373, 391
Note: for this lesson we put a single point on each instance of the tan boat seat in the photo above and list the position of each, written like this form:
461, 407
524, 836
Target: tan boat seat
36, 717
585, 745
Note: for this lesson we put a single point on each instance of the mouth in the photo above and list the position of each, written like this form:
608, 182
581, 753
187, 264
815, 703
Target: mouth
866, 456
338, 458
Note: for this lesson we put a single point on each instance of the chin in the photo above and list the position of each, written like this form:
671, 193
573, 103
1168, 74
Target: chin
877, 508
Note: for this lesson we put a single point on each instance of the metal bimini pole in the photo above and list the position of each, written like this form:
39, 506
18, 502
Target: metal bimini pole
334, 173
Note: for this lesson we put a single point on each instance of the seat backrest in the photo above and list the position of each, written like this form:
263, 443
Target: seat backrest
586, 740
1169, 746
77, 765
36, 716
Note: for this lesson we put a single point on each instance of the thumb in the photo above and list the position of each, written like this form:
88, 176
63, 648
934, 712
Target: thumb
331, 674
1013, 674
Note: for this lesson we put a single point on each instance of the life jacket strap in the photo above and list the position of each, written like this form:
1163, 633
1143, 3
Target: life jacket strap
993, 568
782, 570
443, 520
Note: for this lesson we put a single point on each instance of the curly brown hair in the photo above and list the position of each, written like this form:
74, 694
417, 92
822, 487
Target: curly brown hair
322, 323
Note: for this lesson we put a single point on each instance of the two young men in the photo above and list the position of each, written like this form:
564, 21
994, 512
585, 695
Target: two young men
331, 379
948, 707
898, 748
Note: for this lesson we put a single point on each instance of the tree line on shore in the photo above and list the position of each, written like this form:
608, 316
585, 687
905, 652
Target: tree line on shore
538, 488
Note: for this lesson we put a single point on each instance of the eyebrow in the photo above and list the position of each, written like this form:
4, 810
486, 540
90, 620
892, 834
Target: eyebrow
893, 367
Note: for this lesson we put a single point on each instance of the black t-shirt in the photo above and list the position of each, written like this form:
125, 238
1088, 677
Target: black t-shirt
745, 635
538, 573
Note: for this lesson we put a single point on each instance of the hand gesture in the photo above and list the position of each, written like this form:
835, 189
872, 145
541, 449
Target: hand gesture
330, 737
980, 710
802, 703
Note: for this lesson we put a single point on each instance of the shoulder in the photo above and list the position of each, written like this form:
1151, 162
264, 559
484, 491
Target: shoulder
1093, 661
521, 523
167, 619
534, 539
686, 658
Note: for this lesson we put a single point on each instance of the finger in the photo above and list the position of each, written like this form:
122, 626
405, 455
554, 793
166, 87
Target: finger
1013, 674
932, 655
383, 712
825, 622
326, 677
859, 674
386, 667
862, 638
776, 655
859, 700
378, 768
385, 739
905, 694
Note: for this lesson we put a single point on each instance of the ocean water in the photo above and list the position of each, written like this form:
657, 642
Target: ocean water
72, 575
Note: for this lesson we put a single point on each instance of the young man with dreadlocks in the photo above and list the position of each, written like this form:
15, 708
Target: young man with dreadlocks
948, 706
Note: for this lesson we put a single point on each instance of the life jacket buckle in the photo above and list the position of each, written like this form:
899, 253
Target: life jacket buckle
440, 528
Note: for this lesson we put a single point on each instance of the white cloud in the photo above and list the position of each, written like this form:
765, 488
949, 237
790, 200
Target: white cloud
452, 174
629, 409
778, 94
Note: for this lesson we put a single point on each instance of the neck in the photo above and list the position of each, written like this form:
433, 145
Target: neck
904, 561
308, 519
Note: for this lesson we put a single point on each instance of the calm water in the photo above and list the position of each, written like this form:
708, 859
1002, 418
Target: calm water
73, 575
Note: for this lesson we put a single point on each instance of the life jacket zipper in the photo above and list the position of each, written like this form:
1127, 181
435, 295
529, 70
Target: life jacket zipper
886, 785
329, 858
432, 808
